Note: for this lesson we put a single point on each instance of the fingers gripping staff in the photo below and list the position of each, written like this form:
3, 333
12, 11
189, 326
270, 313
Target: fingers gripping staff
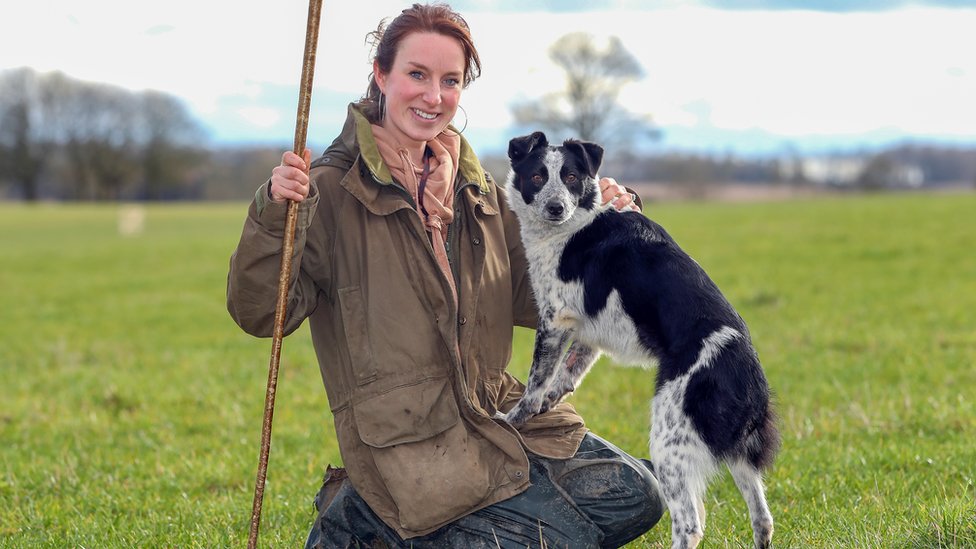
287, 247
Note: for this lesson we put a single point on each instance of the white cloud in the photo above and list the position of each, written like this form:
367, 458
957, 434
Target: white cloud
788, 72
261, 117
802, 72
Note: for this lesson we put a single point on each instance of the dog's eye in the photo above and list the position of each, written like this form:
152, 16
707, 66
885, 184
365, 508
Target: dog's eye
537, 179
571, 178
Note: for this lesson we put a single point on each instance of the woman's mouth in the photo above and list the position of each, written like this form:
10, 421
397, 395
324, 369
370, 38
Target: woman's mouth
425, 115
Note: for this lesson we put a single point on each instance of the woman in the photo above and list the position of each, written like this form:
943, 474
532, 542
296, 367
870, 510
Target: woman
412, 275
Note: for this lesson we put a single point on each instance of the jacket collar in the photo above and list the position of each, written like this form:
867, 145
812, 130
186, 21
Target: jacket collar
357, 137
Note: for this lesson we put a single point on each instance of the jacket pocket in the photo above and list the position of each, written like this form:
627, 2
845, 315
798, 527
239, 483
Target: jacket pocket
428, 460
353, 310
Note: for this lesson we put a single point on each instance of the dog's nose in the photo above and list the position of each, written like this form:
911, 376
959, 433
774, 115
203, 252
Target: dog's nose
554, 209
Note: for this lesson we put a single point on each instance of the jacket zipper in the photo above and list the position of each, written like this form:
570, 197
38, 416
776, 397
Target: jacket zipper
451, 234
451, 248
450, 245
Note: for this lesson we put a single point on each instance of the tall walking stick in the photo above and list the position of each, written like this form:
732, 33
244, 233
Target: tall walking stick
284, 277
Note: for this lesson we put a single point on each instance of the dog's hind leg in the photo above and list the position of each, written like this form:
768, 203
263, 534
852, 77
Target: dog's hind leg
682, 485
683, 464
573, 366
749, 481
549, 344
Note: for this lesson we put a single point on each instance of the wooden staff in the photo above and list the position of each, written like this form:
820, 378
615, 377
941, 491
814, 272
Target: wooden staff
284, 277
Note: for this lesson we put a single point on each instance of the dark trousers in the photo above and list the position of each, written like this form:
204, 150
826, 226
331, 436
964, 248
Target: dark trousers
600, 497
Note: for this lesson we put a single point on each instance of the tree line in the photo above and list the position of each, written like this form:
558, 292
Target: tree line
65, 138
62, 138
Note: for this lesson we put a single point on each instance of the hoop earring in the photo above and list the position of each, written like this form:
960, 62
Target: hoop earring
465, 119
382, 106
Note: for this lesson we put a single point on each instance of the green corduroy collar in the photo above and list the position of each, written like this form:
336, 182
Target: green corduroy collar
469, 167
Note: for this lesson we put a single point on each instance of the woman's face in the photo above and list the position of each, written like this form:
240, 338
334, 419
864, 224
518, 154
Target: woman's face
423, 87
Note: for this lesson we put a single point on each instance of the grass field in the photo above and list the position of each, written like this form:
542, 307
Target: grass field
131, 404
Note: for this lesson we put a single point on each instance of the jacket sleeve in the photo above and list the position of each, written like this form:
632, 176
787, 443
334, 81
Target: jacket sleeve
523, 304
255, 266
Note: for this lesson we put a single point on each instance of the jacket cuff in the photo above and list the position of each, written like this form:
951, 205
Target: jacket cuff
271, 214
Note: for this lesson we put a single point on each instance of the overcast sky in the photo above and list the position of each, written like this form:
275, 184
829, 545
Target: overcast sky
738, 75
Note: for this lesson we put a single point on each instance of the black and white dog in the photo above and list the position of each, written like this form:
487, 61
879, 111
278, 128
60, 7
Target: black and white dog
617, 282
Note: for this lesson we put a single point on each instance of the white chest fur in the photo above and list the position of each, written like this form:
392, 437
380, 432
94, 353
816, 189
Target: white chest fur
610, 329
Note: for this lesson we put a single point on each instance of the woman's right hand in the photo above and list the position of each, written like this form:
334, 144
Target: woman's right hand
289, 181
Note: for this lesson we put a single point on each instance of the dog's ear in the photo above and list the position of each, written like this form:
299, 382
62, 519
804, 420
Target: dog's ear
591, 153
521, 146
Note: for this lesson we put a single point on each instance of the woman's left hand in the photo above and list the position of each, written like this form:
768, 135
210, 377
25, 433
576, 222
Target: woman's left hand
623, 200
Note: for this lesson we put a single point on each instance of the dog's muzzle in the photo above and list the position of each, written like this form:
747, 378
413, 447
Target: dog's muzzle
555, 211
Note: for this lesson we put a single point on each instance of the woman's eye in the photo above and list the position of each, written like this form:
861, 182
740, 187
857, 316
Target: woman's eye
452, 82
416, 75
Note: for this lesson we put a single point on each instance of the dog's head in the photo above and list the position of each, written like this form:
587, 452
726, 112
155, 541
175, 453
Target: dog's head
552, 182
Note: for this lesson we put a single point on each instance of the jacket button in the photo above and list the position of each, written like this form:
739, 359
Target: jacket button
518, 474
476, 241
464, 320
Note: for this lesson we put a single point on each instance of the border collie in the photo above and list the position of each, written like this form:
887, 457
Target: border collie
606, 281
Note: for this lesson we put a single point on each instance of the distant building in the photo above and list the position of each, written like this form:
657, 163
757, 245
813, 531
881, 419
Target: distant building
850, 171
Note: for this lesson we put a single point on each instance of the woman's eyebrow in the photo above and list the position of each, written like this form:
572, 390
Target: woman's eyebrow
421, 66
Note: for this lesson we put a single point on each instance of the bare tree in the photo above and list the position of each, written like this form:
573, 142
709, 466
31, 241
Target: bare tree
171, 144
94, 141
99, 139
588, 108
22, 158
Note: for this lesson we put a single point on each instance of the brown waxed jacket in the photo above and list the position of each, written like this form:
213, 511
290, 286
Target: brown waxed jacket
413, 419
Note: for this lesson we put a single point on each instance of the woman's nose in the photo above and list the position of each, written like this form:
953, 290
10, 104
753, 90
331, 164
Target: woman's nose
432, 95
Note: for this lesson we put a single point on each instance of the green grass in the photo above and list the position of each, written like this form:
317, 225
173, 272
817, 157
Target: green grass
131, 404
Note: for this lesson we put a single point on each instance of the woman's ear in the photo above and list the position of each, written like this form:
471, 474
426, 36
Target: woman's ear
379, 77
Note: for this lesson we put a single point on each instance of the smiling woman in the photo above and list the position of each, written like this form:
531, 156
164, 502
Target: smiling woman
420, 93
412, 276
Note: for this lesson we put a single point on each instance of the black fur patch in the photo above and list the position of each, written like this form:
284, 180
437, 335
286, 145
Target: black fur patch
675, 306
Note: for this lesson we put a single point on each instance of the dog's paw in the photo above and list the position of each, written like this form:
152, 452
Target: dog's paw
517, 416
552, 398
556, 395
546, 406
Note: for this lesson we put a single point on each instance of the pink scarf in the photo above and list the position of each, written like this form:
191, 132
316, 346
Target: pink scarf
436, 205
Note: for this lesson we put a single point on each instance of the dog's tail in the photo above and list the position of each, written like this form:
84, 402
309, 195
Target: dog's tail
763, 443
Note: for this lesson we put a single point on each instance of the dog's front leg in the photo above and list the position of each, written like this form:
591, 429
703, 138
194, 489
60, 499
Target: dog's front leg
574, 365
549, 344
